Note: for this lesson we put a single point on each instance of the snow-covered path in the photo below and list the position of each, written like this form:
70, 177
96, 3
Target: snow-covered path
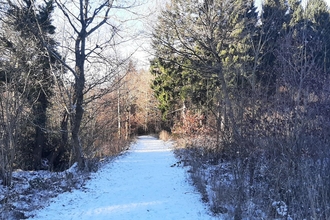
140, 185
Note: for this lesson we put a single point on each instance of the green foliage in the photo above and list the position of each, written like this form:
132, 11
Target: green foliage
177, 84
199, 45
268, 75
318, 18
34, 28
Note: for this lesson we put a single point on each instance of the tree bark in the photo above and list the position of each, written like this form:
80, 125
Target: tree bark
91, 17
78, 99
60, 150
39, 109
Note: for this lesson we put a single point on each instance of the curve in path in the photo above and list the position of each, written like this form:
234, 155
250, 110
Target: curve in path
140, 185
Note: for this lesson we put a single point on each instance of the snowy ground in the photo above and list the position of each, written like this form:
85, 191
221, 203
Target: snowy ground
142, 184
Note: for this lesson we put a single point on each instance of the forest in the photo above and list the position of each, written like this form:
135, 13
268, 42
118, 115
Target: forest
246, 93
67, 96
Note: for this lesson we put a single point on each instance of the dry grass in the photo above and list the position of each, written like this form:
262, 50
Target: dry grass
275, 184
164, 135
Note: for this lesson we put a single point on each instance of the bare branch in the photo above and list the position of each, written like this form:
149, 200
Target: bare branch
65, 11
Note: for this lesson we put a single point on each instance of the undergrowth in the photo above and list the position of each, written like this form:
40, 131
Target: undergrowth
260, 185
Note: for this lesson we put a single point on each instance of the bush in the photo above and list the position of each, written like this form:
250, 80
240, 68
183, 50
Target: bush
276, 182
164, 135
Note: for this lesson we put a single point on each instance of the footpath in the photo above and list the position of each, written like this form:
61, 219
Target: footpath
139, 185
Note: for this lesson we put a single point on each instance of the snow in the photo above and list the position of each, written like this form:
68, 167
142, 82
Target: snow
30, 190
141, 184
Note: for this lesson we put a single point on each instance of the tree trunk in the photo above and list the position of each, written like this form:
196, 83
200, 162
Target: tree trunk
78, 112
78, 97
84, 24
39, 109
56, 154
228, 106
119, 114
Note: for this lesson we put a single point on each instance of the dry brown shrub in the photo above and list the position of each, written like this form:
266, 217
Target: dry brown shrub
164, 135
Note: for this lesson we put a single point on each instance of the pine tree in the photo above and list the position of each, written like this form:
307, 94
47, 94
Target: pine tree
178, 83
33, 23
319, 17
274, 21
203, 33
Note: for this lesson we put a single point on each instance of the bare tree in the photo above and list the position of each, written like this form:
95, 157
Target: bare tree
14, 87
87, 20
11, 106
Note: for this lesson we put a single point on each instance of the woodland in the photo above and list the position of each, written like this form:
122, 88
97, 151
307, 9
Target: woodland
243, 90
246, 93
70, 97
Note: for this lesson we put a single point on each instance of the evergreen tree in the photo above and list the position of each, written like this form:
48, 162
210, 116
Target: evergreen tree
33, 23
203, 35
239, 60
318, 16
178, 82
275, 18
